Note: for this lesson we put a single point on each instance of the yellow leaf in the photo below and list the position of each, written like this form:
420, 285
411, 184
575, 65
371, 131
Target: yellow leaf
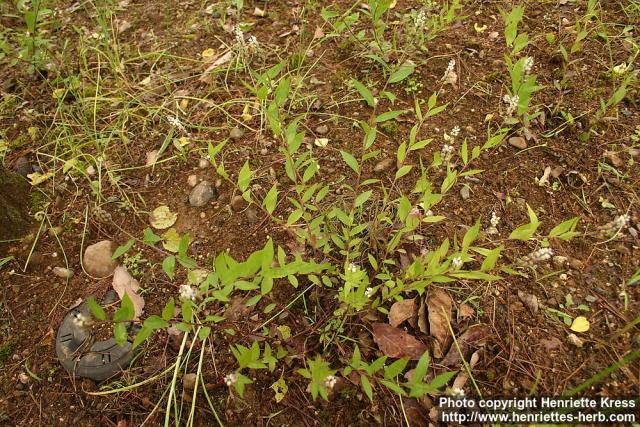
580, 324
208, 53
162, 218
38, 178
171, 240
478, 28
146, 81
245, 113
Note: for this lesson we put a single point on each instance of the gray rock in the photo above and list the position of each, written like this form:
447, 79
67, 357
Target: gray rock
236, 133
63, 273
97, 259
322, 129
202, 194
464, 192
518, 142
252, 216
23, 166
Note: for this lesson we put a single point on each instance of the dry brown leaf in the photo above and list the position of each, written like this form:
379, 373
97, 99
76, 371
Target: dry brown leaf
401, 311
462, 377
422, 318
124, 283
473, 337
395, 342
439, 304
530, 301
466, 311
318, 34
217, 61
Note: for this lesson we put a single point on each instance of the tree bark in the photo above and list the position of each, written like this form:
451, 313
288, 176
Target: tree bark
14, 196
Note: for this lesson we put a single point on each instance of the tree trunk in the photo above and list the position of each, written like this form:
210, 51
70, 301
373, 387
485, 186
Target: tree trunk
14, 191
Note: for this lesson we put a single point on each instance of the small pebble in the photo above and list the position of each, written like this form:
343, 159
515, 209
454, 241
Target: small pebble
518, 142
236, 133
192, 180
203, 163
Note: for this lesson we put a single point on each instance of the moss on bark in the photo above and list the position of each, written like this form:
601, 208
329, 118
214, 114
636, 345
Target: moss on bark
14, 192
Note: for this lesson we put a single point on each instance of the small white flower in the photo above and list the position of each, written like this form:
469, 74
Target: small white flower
238, 34
231, 379
456, 262
447, 151
175, 122
457, 392
352, 267
528, 65
187, 292
330, 382
368, 292
538, 256
252, 41
81, 320
495, 219
512, 103
455, 131
451, 66
421, 19
616, 225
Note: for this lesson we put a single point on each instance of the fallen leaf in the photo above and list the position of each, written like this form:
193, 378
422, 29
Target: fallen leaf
439, 309
475, 336
218, 61
321, 142
124, 283
575, 340
259, 12
38, 178
171, 240
280, 389
318, 34
465, 311
422, 318
208, 53
462, 377
530, 301
162, 217
152, 157
401, 311
580, 324
397, 343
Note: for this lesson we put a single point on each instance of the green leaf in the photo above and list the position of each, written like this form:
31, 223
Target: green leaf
403, 171
401, 73
395, 369
169, 308
271, 199
366, 386
120, 333
97, 311
155, 322
150, 238
169, 266
364, 92
126, 311
351, 161
244, 177
122, 249
142, 335
362, 198
389, 115
566, 227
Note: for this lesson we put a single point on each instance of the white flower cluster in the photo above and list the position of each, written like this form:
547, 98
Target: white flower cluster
537, 256
187, 292
238, 34
512, 103
81, 320
330, 382
528, 65
251, 42
494, 221
368, 292
421, 19
352, 267
449, 73
231, 379
619, 223
176, 123
456, 392
456, 262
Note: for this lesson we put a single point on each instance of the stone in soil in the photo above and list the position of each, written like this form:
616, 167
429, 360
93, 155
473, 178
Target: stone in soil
189, 381
23, 166
322, 129
236, 133
202, 194
192, 180
518, 142
97, 259
238, 203
384, 165
63, 273
464, 192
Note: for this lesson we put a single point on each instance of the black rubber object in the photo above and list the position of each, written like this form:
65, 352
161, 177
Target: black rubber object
102, 360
